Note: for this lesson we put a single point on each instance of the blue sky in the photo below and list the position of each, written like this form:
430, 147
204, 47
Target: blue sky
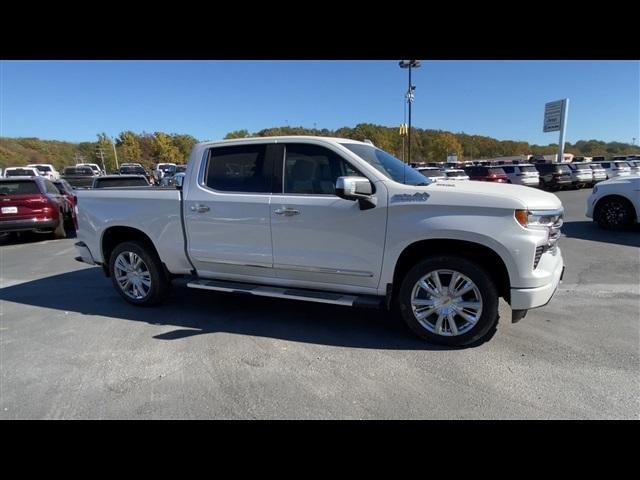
74, 100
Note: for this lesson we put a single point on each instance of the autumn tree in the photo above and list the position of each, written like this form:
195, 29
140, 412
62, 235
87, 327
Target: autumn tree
164, 149
443, 144
129, 146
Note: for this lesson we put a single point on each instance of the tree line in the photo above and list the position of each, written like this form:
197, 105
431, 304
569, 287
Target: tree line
150, 148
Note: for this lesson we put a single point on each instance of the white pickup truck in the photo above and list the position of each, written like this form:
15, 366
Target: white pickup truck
335, 221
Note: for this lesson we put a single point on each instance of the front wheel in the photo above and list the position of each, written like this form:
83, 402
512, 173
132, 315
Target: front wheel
137, 274
449, 300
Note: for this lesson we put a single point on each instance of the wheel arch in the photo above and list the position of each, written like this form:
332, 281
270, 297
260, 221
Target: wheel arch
485, 256
113, 236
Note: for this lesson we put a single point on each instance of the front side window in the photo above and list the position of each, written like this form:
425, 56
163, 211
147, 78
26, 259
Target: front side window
240, 168
312, 169
386, 164
51, 188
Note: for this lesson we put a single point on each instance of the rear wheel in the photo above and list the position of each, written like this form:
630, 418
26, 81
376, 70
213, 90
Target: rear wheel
449, 300
614, 212
137, 274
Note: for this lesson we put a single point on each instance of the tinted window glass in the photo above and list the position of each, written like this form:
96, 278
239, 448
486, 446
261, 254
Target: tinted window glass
242, 168
51, 188
527, 168
386, 164
77, 171
121, 182
43, 168
19, 187
508, 169
455, 173
19, 172
311, 169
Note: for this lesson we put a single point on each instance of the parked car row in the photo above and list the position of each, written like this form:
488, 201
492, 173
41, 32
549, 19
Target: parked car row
545, 175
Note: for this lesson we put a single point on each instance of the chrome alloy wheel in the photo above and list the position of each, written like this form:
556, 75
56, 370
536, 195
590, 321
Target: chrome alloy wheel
132, 275
447, 303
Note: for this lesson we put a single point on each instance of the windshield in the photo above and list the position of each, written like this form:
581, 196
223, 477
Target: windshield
132, 170
19, 172
77, 171
387, 164
121, 182
42, 168
622, 165
497, 171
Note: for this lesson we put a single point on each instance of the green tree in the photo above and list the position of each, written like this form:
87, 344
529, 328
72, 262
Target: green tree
129, 146
443, 144
184, 144
237, 134
164, 149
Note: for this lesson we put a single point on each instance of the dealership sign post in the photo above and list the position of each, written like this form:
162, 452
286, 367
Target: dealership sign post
555, 119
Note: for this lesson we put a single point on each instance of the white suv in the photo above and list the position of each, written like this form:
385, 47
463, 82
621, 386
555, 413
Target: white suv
581, 174
616, 168
526, 175
615, 203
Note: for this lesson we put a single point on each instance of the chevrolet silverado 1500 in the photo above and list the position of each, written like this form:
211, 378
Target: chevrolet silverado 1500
335, 221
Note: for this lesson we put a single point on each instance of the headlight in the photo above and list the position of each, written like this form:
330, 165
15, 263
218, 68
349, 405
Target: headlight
538, 218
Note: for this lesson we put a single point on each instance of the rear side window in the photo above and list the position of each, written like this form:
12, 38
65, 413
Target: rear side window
605, 165
19, 187
241, 168
312, 169
508, 169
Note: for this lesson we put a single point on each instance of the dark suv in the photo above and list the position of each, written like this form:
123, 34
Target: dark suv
554, 176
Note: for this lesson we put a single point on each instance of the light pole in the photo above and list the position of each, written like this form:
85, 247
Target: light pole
409, 64
113, 142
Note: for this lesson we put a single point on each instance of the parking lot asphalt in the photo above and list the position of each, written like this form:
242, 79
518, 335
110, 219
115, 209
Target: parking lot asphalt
71, 348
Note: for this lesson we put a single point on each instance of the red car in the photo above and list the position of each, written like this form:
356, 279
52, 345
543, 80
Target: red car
487, 174
66, 190
31, 204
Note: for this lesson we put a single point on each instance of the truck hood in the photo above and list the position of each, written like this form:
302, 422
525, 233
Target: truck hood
486, 194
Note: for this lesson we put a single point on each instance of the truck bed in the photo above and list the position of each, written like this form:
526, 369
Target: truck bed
153, 210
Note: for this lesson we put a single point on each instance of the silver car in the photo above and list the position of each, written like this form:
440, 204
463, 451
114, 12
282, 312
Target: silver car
599, 173
526, 175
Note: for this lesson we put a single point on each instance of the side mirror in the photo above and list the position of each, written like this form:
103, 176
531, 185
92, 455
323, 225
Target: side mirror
178, 181
356, 188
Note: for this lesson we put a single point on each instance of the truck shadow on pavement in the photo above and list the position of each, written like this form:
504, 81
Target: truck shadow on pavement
588, 230
194, 312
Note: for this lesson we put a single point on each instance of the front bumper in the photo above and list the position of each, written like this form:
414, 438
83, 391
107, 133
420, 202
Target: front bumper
528, 298
24, 225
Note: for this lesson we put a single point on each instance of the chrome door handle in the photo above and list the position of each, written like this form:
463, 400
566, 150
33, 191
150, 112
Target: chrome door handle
199, 208
287, 212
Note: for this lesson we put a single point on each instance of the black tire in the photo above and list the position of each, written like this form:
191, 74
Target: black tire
614, 212
160, 283
485, 285
59, 231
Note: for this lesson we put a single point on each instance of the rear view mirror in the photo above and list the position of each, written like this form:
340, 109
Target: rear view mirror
356, 188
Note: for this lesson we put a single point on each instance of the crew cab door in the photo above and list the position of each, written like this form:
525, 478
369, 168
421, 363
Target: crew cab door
227, 212
320, 239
